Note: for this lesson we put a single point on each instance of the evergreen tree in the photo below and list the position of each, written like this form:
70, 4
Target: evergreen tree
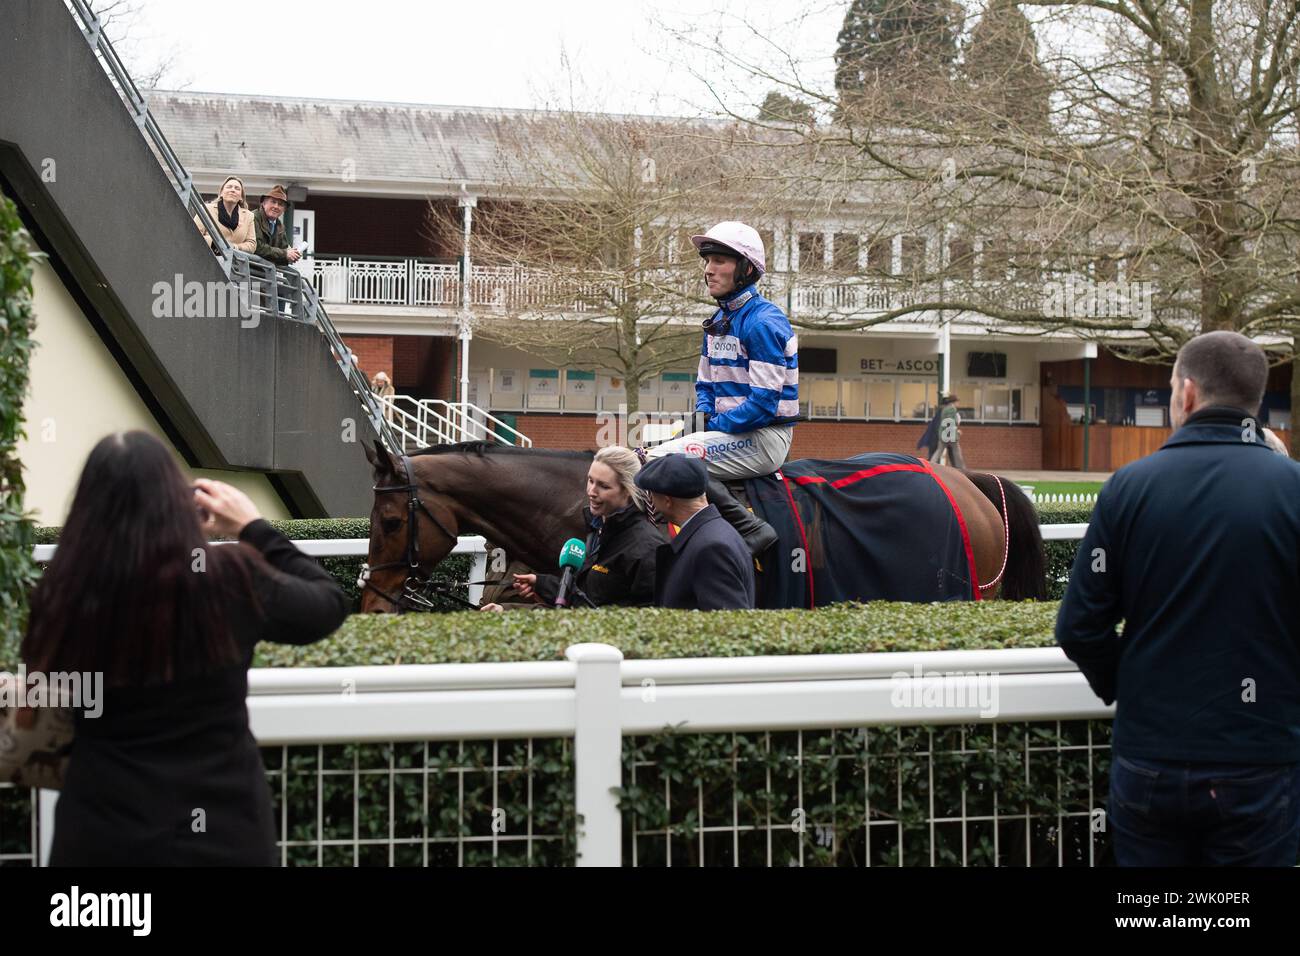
1003, 70
896, 46
780, 108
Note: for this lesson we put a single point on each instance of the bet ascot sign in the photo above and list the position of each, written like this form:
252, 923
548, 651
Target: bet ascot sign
899, 366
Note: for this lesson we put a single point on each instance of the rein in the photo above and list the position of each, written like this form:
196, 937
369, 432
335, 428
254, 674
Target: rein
416, 587
1006, 537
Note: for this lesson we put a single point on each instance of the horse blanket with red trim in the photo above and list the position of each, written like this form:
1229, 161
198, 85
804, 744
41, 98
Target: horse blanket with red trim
876, 527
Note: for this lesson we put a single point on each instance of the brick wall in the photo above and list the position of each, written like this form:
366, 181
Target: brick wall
574, 432
984, 446
374, 353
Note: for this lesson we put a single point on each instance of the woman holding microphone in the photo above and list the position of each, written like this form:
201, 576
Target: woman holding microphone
619, 569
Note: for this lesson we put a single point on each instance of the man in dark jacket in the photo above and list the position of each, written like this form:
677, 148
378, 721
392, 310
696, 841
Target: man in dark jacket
707, 567
1196, 548
272, 234
271, 230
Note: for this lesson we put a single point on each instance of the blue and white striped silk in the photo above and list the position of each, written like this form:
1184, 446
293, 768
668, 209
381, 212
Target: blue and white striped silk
748, 376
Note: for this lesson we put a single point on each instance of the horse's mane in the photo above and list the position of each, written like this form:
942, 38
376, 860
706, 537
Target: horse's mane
496, 448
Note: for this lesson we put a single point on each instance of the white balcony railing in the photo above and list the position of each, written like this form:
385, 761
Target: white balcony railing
414, 282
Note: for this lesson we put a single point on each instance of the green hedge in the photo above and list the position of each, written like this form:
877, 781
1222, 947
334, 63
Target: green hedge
475, 637
1060, 554
17, 569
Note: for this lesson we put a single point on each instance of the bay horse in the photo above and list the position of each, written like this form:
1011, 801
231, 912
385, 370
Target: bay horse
530, 501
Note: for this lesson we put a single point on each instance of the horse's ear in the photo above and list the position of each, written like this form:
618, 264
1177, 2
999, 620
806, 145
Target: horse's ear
379, 459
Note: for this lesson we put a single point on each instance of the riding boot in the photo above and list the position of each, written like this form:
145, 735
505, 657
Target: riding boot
758, 534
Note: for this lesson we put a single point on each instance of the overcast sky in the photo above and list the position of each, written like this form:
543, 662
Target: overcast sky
478, 53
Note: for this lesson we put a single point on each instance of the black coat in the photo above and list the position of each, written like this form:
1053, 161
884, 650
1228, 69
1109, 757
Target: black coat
170, 775
1201, 549
707, 567
620, 566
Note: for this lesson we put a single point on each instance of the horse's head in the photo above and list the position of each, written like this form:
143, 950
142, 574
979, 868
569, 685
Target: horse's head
412, 528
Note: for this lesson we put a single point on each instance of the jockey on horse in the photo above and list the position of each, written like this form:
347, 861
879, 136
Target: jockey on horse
747, 386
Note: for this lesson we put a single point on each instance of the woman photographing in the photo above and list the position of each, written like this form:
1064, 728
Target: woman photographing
169, 772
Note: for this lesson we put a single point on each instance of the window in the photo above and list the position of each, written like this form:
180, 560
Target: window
880, 256
824, 393
845, 253
880, 399
913, 263
769, 247
1105, 270
997, 404
812, 252
993, 261
853, 398
961, 259
916, 400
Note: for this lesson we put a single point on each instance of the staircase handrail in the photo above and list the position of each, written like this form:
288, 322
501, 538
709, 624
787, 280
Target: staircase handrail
234, 263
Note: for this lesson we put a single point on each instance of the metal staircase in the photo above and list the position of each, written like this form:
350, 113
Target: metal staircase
268, 291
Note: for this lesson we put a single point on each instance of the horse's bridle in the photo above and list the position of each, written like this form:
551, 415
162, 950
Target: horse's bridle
413, 596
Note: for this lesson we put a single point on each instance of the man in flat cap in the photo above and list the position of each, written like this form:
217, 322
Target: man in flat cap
707, 567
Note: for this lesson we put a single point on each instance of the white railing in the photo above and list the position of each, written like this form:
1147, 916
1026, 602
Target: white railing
1064, 499
421, 422
597, 698
415, 282
472, 544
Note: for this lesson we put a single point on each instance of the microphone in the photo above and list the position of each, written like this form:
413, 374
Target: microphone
572, 555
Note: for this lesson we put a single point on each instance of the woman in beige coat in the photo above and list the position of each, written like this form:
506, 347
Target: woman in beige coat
231, 214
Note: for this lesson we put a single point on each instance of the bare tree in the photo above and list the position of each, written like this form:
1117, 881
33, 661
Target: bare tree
123, 22
589, 234
1157, 200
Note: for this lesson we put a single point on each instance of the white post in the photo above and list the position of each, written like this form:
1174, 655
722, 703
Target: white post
45, 803
478, 572
945, 349
467, 203
598, 752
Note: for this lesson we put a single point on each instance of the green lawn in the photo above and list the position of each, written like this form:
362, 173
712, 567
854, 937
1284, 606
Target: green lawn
1065, 487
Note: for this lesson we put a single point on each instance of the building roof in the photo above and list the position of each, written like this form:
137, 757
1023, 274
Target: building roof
362, 147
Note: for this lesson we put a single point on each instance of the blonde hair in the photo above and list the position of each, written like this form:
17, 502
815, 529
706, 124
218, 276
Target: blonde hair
625, 464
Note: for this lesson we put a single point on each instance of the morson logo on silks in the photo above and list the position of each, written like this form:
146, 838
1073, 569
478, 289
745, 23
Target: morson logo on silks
724, 347
723, 448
